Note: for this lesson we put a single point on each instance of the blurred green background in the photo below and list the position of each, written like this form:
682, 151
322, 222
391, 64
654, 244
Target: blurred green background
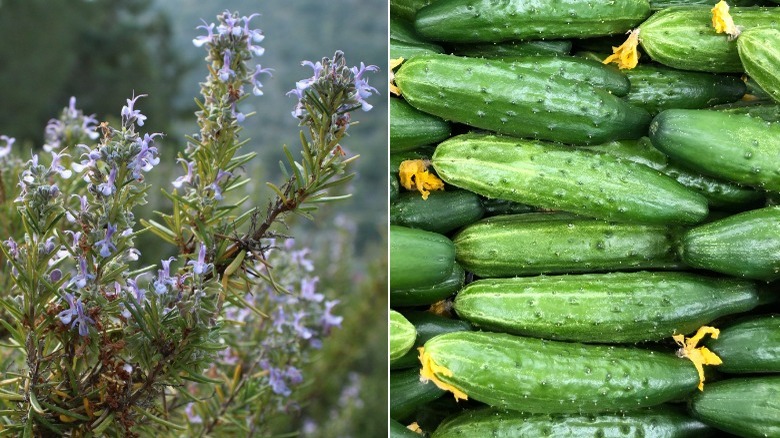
102, 51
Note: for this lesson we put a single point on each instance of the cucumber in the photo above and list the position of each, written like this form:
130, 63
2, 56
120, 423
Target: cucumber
560, 178
759, 50
398, 430
422, 153
755, 90
420, 296
544, 243
749, 346
403, 31
427, 325
401, 49
491, 21
744, 245
509, 99
661, 421
656, 88
442, 212
683, 37
747, 407
418, 258
410, 128
407, 9
577, 69
394, 188
514, 49
663, 4
539, 376
402, 335
733, 147
495, 207
407, 393
720, 194
767, 112
604, 308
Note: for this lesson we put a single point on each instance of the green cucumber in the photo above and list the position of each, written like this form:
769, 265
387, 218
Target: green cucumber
544, 243
398, 430
661, 421
656, 88
663, 4
747, 407
539, 376
422, 153
401, 49
407, 9
683, 37
560, 178
491, 21
768, 112
495, 207
442, 212
407, 393
576, 69
403, 31
410, 128
720, 194
749, 346
427, 325
514, 49
426, 295
418, 258
759, 50
744, 245
603, 308
402, 335
732, 147
395, 187
509, 99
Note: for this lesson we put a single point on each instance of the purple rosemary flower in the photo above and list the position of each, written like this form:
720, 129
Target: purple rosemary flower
55, 275
58, 168
230, 25
191, 415
278, 384
76, 310
363, 90
188, 178
13, 247
253, 35
138, 293
256, 85
215, 185
329, 320
300, 329
164, 278
308, 291
279, 320
201, 40
105, 245
146, 158
83, 276
107, 188
200, 266
131, 115
293, 375
225, 72
9, 141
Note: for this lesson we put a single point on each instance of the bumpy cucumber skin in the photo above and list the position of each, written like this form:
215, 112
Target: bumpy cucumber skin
603, 308
505, 98
538, 376
442, 212
720, 194
576, 69
402, 335
427, 325
749, 346
403, 30
759, 50
658, 422
682, 37
395, 188
418, 258
401, 49
407, 9
420, 296
663, 4
495, 207
743, 245
407, 393
514, 48
733, 147
747, 407
398, 430
410, 128
767, 112
494, 21
656, 88
560, 178
542, 243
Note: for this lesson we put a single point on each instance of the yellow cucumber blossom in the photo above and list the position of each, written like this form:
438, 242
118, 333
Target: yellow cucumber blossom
722, 21
698, 355
626, 55
414, 427
393, 64
429, 371
414, 175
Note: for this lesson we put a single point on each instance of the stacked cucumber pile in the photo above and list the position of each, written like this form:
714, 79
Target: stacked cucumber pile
607, 237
